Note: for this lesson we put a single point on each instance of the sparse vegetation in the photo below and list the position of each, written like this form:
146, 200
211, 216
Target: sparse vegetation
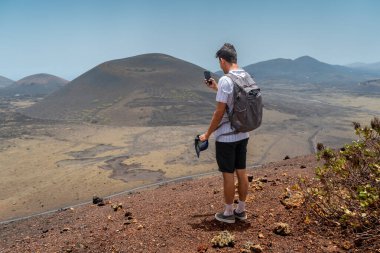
345, 196
223, 239
250, 247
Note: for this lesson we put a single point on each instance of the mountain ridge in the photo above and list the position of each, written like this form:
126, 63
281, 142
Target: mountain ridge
4, 81
40, 78
306, 69
149, 89
40, 84
370, 67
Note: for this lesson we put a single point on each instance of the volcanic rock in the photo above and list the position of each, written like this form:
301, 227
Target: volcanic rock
281, 228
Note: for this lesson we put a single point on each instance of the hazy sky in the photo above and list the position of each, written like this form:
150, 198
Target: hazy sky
67, 38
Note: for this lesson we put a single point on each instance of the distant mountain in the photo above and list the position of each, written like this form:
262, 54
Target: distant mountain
306, 69
144, 90
4, 82
371, 67
34, 85
356, 65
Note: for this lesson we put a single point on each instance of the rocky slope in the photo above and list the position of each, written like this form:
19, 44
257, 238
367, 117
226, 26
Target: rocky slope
178, 217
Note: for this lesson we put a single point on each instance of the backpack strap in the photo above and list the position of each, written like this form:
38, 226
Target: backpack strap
233, 78
227, 109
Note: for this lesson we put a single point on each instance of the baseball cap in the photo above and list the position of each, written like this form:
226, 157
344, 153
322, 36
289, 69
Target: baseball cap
200, 145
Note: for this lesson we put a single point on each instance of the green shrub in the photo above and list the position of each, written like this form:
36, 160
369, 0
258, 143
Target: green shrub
346, 191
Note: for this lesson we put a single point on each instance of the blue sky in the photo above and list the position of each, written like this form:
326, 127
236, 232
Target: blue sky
67, 38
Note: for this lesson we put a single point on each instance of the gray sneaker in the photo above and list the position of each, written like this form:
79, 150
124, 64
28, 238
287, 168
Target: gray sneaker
225, 218
240, 216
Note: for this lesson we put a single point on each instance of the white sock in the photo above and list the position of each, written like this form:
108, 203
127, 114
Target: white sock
229, 210
241, 207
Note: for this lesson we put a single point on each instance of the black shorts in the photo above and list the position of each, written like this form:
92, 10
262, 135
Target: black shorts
231, 155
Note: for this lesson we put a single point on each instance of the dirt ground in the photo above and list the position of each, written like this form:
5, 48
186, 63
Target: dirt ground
177, 217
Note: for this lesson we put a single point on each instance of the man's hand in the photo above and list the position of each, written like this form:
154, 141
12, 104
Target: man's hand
204, 137
211, 83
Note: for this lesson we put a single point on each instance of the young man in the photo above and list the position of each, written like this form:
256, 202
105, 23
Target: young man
231, 149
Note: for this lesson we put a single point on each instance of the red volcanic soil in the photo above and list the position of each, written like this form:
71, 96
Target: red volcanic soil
177, 217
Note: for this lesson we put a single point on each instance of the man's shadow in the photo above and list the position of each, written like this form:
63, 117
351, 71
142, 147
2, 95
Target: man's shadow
209, 223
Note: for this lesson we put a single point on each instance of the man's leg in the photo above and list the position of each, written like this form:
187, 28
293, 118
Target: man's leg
242, 184
241, 172
229, 192
225, 157
239, 212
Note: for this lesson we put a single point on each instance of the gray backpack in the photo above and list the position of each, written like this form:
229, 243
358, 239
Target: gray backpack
247, 112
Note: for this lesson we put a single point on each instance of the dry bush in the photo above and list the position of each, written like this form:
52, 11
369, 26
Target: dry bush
345, 194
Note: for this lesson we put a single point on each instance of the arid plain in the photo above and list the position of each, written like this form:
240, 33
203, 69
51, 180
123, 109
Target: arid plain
48, 165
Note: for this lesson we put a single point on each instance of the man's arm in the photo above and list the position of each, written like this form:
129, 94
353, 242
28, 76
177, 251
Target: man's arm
216, 119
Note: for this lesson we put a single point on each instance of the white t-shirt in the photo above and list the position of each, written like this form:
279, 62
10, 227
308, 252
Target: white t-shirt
224, 95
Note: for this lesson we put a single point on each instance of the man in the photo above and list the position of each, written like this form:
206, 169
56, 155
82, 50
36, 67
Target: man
231, 149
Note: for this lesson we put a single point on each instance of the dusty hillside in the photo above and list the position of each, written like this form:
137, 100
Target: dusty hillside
4, 82
34, 85
177, 217
145, 90
307, 70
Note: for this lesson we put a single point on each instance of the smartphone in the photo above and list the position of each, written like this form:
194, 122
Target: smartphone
207, 76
